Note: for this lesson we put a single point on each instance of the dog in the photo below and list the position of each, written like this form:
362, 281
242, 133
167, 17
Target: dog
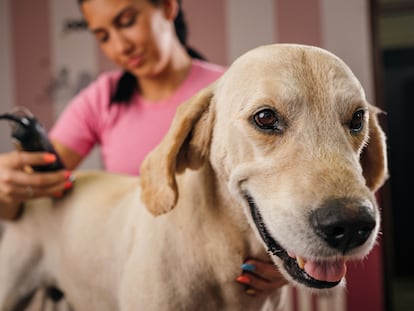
280, 157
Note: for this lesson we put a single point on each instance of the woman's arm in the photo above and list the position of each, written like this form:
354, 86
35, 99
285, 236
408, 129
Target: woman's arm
70, 158
9, 211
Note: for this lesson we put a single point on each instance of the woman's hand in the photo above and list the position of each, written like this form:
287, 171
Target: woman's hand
260, 277
18, 182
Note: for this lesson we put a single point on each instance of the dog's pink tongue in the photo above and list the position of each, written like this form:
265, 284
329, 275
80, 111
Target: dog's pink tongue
329, 271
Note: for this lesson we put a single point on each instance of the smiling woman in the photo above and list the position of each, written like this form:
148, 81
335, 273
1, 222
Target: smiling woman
140, 39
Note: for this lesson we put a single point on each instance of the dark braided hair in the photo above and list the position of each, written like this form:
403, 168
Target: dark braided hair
128, 83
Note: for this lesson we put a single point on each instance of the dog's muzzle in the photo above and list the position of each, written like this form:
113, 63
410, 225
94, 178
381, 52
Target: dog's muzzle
341, 227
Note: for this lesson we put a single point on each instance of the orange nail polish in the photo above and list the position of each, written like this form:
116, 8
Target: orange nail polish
243, 279
68, 185
49, 158
68, 174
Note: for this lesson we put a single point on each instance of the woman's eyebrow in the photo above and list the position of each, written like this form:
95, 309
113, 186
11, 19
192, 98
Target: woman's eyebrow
115, 19
122, 12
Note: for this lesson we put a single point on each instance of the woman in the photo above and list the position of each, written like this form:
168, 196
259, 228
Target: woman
146, 39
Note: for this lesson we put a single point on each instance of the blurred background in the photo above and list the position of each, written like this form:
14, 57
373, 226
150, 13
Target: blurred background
47, 56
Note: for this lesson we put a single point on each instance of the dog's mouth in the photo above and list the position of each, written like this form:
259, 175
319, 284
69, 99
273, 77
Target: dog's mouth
316, 274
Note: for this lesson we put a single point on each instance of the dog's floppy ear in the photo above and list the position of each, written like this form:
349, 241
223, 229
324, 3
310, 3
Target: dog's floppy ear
185, 146
374, 155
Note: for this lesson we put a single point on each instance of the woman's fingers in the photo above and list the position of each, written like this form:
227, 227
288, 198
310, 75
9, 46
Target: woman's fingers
260, 277
28, 191
33, 185
17, 183
20, 159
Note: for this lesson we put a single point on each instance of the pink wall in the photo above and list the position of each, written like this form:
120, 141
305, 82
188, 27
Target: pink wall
30, 45
299, 21
207, 28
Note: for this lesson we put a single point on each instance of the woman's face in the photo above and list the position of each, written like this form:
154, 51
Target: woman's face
134, 34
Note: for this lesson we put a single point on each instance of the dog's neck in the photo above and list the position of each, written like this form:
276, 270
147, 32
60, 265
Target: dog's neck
213, 205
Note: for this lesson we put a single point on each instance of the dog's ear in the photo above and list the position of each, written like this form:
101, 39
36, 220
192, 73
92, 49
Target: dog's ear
186, 145
374, 155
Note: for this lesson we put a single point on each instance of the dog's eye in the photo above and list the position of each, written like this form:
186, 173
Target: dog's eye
357, 122
268, 120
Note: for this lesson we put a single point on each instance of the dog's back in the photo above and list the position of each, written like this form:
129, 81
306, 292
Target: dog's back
77, 235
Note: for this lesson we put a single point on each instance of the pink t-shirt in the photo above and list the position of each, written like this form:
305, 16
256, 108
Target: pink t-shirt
125, 133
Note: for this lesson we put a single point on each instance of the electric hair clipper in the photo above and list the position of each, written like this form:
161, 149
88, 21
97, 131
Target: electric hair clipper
29, 135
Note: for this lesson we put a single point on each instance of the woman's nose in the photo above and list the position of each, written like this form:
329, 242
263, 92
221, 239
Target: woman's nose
122, 44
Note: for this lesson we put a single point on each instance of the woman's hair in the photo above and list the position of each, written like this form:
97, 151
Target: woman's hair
128, 83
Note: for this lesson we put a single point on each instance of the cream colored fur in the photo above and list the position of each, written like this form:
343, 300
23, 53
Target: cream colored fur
175, 238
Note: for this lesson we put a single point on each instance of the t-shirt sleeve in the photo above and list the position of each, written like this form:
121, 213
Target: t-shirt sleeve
79, 125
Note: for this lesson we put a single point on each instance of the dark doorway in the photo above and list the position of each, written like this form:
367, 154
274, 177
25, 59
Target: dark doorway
399, 99
393, 33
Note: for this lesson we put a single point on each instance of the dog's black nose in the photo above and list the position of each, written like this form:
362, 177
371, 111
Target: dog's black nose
344, 224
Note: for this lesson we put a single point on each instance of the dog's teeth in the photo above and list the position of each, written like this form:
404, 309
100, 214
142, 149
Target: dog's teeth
300, 261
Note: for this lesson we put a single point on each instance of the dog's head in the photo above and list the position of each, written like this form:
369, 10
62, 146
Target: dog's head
289, 130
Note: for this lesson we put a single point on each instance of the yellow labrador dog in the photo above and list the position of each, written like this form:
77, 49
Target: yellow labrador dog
281, 157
